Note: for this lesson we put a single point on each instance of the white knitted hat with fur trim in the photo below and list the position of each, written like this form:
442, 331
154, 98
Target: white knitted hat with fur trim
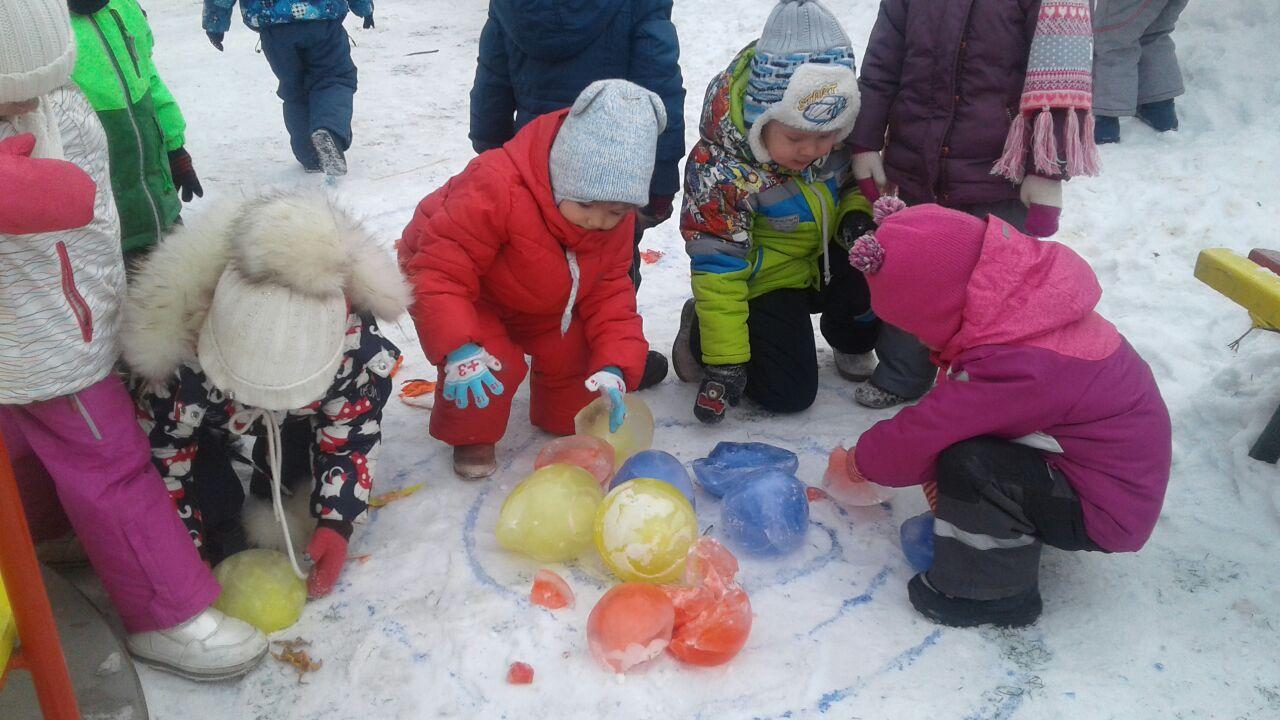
819, 98
37, 54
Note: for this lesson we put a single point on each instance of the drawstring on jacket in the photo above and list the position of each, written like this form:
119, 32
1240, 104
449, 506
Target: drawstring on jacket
246, 418
575, 277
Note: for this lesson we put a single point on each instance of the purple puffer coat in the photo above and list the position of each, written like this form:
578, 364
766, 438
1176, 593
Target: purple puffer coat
944, 78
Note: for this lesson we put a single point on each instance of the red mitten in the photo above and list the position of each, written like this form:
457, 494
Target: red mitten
41, 195
328, 550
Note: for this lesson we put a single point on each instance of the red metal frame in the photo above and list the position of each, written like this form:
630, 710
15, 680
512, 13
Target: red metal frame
41, 652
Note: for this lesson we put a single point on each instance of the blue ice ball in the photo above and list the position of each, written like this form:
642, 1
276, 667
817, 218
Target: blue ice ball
658, 465
916, 535
731, 463
767, 515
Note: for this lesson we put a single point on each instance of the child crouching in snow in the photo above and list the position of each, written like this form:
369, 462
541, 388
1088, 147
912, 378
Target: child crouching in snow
770, 208
1047, 428
261, 318
65, 415
528, 251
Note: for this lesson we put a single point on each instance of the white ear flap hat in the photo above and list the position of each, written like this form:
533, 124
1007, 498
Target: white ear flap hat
269, 345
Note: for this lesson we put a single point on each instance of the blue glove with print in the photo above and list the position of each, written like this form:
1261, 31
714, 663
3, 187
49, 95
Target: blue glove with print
468, 372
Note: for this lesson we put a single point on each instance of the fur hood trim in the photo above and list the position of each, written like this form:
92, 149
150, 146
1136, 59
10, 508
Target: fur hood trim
300, 240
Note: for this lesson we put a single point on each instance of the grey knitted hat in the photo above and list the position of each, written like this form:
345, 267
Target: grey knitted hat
801, 26
605, 149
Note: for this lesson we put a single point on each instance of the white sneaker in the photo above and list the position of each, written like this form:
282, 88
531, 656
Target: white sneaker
209, 646
855, 367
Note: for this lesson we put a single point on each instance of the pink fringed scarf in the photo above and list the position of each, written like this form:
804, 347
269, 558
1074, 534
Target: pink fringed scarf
1059, 77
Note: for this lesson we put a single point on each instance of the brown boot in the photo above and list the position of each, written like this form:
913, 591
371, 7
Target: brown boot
473, 462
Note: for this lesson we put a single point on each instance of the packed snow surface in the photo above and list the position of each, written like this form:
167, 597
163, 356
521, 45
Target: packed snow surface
429, 625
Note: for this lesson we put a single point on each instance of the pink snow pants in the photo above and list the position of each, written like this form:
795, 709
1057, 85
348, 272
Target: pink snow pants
91, 446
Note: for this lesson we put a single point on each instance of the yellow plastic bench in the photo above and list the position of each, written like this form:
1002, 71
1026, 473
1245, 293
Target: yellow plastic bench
8, 629
1252, 283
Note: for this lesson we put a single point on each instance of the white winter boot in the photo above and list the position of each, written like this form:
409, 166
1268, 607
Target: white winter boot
210, 646
855, 367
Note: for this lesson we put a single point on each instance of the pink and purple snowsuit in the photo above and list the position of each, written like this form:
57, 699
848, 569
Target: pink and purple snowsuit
66, 418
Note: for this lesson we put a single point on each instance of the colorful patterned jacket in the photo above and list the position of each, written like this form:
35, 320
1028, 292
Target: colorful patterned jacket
347, 424
751, 227
257, 13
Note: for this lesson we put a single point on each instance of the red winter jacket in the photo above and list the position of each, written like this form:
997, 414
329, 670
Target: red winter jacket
493, 236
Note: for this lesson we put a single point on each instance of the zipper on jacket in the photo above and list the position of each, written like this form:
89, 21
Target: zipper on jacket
133, 121
955, 93
79, 308
129, 43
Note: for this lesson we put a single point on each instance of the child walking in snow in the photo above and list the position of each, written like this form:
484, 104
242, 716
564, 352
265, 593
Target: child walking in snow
942, 121
65, 415
535, 58
1135, 65
310, 53
262, 318
528, 251
770, 206
1047, 428
145, 129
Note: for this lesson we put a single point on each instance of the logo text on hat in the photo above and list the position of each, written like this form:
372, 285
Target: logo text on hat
823, 104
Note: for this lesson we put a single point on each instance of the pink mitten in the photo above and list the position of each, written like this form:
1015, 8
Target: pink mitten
41, 195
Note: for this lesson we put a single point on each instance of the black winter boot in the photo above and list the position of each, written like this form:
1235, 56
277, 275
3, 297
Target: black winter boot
1161, 116
655, 370
1106, 129
1017, 611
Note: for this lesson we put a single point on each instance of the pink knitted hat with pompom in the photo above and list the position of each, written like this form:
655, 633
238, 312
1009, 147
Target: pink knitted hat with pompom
918, 265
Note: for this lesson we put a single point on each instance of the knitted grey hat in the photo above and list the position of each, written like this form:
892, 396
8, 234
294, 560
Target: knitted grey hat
605, 149
801, 26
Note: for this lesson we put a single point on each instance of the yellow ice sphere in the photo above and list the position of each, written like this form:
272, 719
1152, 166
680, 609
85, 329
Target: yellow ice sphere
260, 588
548, 516
636, 433
644, 529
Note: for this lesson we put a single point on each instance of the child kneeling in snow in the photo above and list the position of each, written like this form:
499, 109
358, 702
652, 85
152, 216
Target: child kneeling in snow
263, 317
770, 208
65, 415
528, 251
1047, 428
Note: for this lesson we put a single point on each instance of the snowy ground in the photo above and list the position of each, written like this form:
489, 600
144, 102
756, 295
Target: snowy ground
1188, 628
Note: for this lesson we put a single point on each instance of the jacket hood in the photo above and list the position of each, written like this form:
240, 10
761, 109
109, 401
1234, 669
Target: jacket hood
530, 152
1025, 291
300, 240
554, 29
722, 122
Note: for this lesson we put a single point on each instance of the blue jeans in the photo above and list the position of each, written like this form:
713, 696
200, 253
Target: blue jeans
312, 61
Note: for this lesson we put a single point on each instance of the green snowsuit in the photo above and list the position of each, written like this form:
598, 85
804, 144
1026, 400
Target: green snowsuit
749, 227
142, 120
